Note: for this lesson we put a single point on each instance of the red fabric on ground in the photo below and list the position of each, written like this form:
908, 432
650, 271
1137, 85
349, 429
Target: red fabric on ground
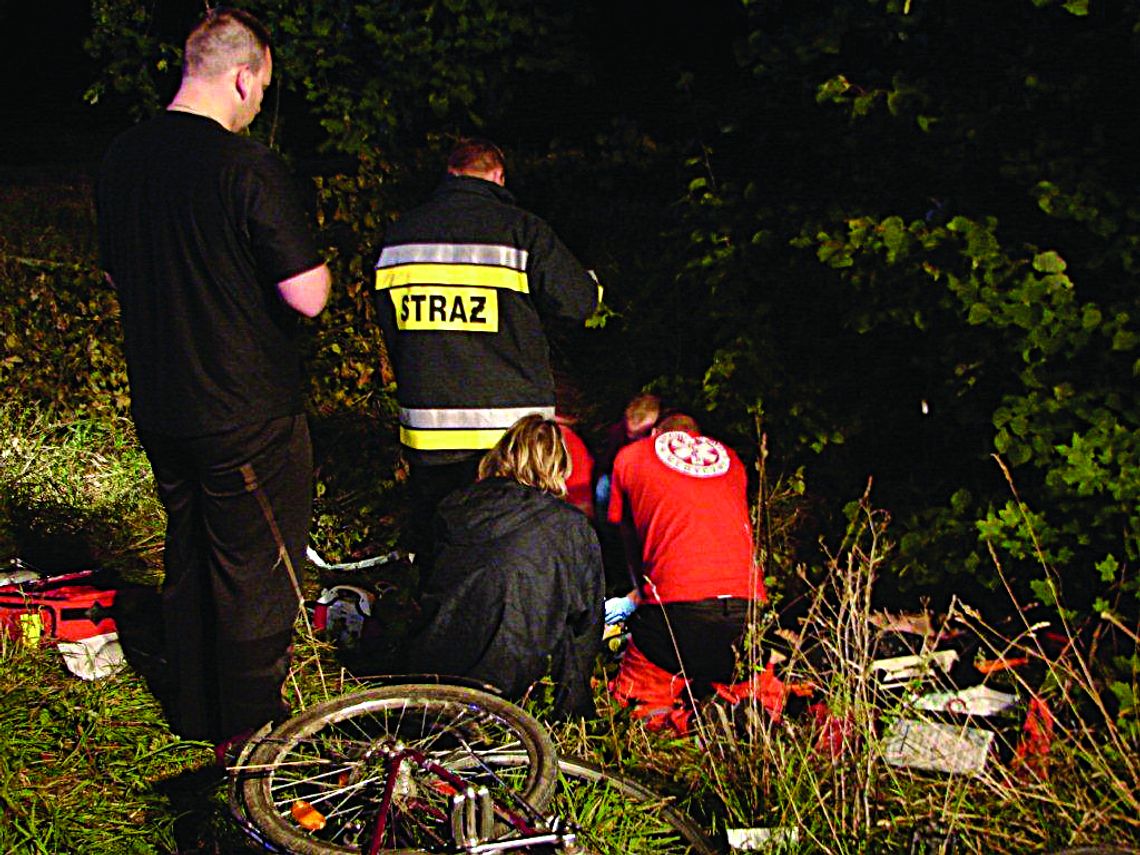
1037, 738
764, 686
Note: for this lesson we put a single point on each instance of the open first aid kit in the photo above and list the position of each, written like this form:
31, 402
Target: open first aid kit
73, 611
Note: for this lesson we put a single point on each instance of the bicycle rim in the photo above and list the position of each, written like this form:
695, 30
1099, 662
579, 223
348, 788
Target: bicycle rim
313, 785
615, 815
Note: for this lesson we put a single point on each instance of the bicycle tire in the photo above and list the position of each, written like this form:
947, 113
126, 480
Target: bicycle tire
606, 826
322, 758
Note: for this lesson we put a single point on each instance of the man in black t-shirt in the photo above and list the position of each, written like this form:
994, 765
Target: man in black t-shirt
210, 253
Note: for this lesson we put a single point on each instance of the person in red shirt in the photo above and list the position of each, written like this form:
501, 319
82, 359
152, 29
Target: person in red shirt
638, 419
580, 481
681, 501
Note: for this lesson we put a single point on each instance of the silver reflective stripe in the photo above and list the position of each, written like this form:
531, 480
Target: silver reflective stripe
453, 253
485, 417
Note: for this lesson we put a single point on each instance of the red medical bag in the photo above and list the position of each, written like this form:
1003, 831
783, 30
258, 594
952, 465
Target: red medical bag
69, 607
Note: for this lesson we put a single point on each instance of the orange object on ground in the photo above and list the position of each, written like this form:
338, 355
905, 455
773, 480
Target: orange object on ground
993, 666
307, 816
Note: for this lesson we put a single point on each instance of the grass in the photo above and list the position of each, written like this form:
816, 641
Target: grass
83, 763
92, 767
841, 796
77, 492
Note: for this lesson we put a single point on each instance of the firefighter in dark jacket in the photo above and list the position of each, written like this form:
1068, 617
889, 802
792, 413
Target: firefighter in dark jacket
464, 286
517, 589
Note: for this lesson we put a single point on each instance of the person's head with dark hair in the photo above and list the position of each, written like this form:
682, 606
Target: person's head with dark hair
531, 452
478, 158
677, 421
226, 66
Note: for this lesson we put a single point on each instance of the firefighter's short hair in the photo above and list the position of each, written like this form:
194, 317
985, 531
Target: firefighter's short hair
475, 156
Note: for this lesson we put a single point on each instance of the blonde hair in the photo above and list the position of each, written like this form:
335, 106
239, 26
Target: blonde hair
533, 453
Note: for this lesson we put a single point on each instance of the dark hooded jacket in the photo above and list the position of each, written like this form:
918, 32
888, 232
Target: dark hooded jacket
515, 592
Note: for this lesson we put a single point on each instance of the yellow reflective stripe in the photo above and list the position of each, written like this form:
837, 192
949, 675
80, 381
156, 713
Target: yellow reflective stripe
450, 440
476, 275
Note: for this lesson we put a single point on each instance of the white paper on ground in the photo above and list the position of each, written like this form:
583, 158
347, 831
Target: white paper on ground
900, 669
937, 747
759, 839
93, 658
976, 700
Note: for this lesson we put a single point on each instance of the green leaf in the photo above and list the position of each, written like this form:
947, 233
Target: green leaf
1044, 591
1048, 262
1124, 340
979, 314
1091, 318
1107, 568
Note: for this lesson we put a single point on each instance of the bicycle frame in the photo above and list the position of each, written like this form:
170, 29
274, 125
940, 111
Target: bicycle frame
473, 812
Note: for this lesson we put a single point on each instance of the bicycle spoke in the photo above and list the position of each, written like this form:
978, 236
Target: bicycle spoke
318, 783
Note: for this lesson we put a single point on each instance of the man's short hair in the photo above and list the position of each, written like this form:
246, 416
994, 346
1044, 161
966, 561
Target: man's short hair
642, 408
678, 421
475, 156
222, 39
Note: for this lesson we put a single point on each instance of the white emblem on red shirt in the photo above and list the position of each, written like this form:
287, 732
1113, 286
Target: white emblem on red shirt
698, 456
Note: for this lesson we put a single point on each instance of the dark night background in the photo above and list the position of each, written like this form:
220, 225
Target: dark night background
43, 118
1016, 95
636, 61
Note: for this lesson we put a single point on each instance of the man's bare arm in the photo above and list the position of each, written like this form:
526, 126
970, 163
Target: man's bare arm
307, 292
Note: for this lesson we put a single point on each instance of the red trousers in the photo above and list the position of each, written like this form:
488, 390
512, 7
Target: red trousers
662, 698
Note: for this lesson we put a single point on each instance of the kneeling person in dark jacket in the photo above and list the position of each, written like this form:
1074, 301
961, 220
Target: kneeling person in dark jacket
516, 589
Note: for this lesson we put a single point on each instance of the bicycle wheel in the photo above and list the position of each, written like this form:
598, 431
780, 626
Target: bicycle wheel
616, 815
314, 784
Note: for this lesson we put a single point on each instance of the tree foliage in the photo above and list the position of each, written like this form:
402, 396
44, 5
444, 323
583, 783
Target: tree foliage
902, 232
910, 224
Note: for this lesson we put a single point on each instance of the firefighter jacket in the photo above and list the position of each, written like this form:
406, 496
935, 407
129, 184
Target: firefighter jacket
464, 285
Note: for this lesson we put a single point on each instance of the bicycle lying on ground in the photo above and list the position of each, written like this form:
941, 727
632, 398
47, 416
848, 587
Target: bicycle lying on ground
440, 768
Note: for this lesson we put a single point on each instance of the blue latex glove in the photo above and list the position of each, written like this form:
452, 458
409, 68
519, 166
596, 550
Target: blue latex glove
619, 608
602, 491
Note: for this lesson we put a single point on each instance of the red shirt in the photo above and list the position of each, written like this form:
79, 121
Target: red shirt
687, 498
579, 486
